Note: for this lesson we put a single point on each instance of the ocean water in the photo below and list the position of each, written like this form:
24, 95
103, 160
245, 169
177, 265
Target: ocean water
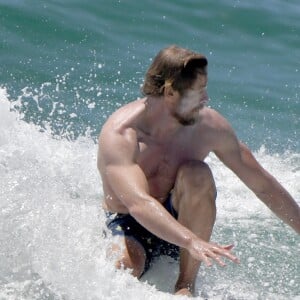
65, 66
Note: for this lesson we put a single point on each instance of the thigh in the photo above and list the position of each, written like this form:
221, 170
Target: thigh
131, 239
128, 254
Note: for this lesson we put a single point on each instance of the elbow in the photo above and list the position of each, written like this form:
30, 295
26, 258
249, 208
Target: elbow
135, 210
139, 209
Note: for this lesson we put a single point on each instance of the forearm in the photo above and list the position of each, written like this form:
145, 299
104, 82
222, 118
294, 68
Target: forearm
282, 204
132, 190
155, 218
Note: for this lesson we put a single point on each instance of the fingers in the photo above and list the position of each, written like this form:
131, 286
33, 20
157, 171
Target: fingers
206, 260
228, 247
207, 256
217, 259
215, 252
225, 251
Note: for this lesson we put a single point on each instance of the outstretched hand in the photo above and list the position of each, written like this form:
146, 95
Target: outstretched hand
209, 252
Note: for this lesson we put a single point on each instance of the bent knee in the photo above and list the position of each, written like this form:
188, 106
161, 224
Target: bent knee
195, 177
195, 172
194, 185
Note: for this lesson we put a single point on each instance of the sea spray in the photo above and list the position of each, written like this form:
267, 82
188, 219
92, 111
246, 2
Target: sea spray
52, 242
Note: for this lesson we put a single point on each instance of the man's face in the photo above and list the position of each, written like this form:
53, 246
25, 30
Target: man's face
187, 107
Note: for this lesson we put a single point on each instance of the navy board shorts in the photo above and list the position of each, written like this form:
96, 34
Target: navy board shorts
126, 225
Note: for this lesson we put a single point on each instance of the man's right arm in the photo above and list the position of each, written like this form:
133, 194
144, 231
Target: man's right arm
118, 151
126, 179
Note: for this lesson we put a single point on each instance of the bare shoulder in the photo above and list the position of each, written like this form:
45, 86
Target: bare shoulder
118, 137
212, 119
121, 123
124, 117
217, 131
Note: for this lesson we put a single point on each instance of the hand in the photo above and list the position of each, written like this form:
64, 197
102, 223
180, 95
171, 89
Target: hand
206, 252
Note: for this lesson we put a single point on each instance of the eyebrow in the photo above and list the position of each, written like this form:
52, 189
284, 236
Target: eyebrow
199, 87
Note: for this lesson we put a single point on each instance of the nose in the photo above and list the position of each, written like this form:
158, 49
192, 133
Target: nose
205, 96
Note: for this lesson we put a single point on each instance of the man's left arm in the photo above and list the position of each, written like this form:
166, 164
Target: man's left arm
241, 161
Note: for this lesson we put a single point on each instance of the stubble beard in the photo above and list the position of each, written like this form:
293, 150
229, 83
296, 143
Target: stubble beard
185, 120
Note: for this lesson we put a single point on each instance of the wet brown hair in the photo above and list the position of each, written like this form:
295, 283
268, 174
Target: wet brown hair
176, 67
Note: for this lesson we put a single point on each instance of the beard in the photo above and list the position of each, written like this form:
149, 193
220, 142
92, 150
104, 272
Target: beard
186, 120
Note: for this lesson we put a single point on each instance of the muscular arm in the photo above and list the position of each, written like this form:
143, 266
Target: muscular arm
117, 163
241, 161
129, 184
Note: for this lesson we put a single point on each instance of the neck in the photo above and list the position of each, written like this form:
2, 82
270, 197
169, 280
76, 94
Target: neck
158, 122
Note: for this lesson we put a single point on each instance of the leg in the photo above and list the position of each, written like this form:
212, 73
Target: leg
130, 255
194, 199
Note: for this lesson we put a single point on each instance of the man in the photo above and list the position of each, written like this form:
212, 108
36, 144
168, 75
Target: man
159, 193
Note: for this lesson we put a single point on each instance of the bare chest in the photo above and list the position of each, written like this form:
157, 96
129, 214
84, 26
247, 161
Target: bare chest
160, 162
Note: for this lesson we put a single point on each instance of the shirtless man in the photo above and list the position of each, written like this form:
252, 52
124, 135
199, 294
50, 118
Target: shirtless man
159, 193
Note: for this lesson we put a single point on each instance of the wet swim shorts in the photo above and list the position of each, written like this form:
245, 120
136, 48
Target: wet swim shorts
125, 224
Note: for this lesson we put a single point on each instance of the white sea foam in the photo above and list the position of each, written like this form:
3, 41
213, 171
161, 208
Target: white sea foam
51, 226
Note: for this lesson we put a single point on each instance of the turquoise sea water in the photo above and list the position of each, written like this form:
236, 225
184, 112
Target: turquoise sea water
66, 65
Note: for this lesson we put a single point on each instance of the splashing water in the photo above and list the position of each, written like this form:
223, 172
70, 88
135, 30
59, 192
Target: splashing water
51, 221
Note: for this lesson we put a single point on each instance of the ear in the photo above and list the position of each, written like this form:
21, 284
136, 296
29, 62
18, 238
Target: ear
169, 91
